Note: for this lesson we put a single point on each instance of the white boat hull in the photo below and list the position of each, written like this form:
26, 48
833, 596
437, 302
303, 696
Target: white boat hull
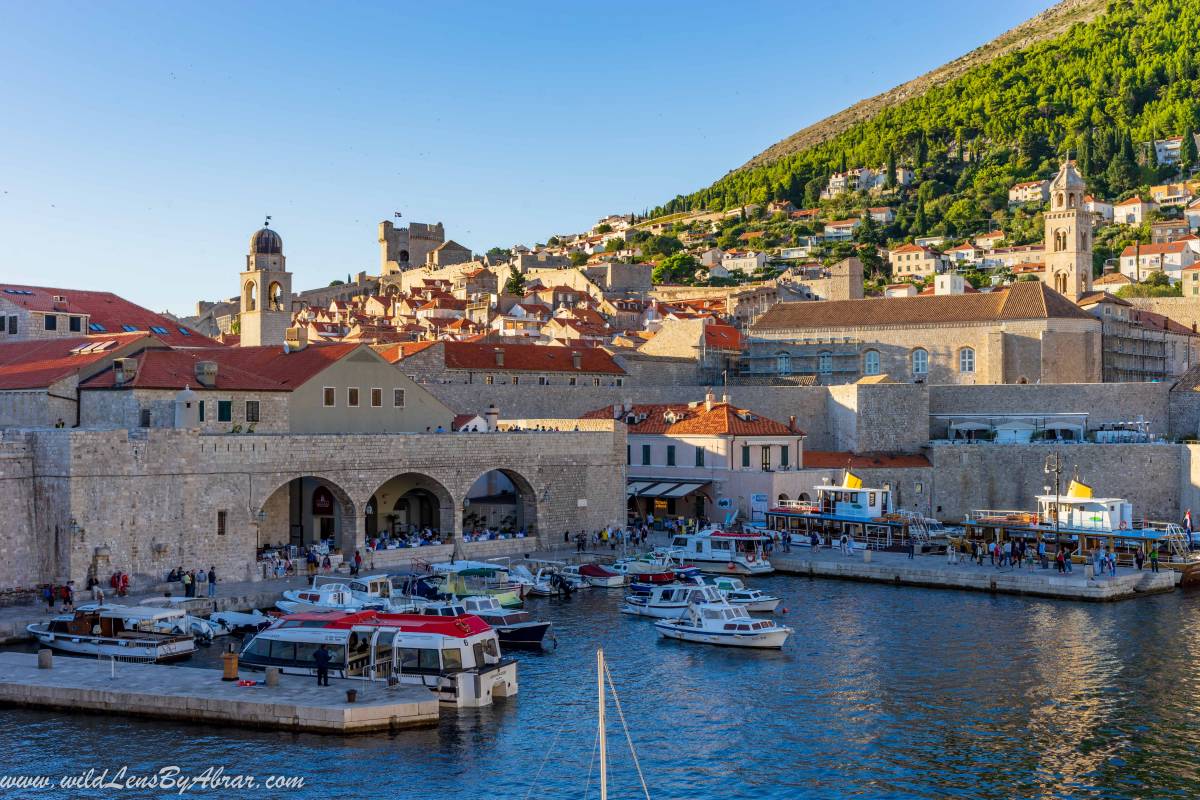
611, 582
733, 567
120, 648
764, 606
674, 611
770, 640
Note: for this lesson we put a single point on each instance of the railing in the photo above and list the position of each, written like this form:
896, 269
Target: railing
125, 658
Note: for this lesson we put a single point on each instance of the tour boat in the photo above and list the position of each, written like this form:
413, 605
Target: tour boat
669, 602
724, 624
866, 516
456, 657
131, 633
377, 591
324, 597
515, 628
598, 575
1083, 523
737, 593
715, 550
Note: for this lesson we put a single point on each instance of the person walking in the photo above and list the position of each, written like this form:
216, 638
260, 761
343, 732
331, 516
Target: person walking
1069, 551
326, 565
357, 562
212, 581
1154, 559
68, 596
911, 547
322, 657
1041, 550
1139, 558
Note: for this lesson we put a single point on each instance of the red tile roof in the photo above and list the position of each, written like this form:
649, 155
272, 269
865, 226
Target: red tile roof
1154, 249
105, 309
40, 363
832, 459
261, 369
722, 337
723, 420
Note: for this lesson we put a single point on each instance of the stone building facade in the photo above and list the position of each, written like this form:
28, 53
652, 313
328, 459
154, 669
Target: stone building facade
408, 246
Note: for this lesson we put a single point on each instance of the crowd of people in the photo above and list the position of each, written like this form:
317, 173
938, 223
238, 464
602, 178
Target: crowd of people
190, 580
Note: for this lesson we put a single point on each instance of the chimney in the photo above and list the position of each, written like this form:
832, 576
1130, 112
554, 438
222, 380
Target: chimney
792, 422
725, 398
709, 400
296, 338
124, 370
577, 360
499, 351
206, 373
492, 417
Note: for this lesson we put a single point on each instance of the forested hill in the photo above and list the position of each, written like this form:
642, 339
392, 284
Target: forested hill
1098, 90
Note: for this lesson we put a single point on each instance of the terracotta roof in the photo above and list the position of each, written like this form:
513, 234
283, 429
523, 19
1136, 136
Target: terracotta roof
1162, 322
1130, 201
1154, 249
1113, 278
843, 223
40, 363
105, 309
722, 337
1021, 300
914, 248
258, 369
832, 459
1102, 297
527, 357
723, 420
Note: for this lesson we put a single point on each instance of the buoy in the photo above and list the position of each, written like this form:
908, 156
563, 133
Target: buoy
785, 611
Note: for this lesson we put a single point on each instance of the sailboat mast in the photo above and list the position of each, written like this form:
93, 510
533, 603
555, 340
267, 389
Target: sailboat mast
603, 740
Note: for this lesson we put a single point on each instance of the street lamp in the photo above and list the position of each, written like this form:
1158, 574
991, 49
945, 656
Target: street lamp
1054, 466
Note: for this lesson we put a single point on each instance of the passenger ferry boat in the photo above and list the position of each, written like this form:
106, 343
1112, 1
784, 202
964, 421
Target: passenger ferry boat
714, 550
125, 632
515, 628
1086, 523
723, 624
867, 516
457, 657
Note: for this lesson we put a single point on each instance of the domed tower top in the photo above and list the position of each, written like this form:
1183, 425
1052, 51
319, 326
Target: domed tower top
1067, 188
266, 242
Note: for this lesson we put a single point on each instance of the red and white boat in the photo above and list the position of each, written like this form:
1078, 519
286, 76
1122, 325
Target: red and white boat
715, 550
458, 658
598, 575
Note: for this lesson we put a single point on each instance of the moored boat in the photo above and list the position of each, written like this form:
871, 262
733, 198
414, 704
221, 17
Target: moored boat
737, 593
715, 550
125, 632
668, 602
333, 596
457, 657
724, 624
515, 628
598, 575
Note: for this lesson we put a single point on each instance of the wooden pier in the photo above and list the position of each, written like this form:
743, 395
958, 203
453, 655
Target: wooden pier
190, 694
934, 571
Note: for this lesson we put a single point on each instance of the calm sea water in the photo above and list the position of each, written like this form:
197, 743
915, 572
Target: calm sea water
883, 692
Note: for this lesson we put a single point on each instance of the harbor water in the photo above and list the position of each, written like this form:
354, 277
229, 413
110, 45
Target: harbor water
882, 692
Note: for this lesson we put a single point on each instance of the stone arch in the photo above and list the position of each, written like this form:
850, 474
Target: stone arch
274, 298
403, 256
408, 503
489, 502
250, 296
305, 509
1059, 202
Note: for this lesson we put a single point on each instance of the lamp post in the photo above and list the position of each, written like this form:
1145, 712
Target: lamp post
1054, 466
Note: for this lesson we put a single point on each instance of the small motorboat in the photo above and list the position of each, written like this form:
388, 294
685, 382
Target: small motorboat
325, 597
643, 571
724, 624
668, 602
573, 576
234, 621
133, 633
736, 593
470, 578
598, 575
514, 628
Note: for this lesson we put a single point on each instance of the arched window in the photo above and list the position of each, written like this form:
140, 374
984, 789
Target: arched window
250, 300
783, 498
825, 362
403, 256
871, 362
275, 297
1071, 199
920, 361
1059, 201
966, 359
1060, 240
783, 363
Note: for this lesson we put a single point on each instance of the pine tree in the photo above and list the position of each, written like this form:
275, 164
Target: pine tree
919, 222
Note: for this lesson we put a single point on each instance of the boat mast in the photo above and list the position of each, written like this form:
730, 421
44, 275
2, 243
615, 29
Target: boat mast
603, 741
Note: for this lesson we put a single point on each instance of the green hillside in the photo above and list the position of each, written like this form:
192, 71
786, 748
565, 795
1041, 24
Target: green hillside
1098, 90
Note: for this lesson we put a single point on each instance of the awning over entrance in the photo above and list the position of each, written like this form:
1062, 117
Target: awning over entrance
640, 487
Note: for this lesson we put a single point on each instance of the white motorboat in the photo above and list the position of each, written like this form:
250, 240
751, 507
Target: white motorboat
714, 550
456, 657
377, 591
669, 601
724, 624
515, 628
232, 621
324, 597
599, 575
738, 594
204, 630
134, 633
571, 572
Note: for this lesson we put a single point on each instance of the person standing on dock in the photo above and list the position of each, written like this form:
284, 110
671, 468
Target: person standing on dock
68, 596
1154, 559
189, 584
212, 581
1041, 551
1139, 558
322, 657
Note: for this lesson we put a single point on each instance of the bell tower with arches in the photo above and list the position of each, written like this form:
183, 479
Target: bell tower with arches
1068, 240
265, 292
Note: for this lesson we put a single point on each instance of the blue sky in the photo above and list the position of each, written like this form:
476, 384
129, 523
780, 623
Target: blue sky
142, 143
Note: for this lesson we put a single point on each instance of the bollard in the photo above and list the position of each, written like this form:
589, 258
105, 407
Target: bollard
45, 658
866, 555
351, 695
272, 676
230, 660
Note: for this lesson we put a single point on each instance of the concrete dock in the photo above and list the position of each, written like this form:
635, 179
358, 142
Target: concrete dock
186, 693
934, 571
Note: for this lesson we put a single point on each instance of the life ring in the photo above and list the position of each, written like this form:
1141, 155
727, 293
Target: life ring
750, 558
1123, 526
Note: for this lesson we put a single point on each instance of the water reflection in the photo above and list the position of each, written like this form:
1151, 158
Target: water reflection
883, 692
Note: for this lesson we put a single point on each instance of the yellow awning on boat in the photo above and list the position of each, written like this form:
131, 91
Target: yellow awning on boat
1079, 489
851, 481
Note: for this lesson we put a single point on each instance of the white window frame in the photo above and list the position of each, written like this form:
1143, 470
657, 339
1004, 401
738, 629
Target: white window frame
352, 396
924, 365
825, 362
966, 360
376, 390
398, 394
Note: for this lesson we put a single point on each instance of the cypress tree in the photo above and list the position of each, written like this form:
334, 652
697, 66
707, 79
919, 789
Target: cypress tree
1187, 150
